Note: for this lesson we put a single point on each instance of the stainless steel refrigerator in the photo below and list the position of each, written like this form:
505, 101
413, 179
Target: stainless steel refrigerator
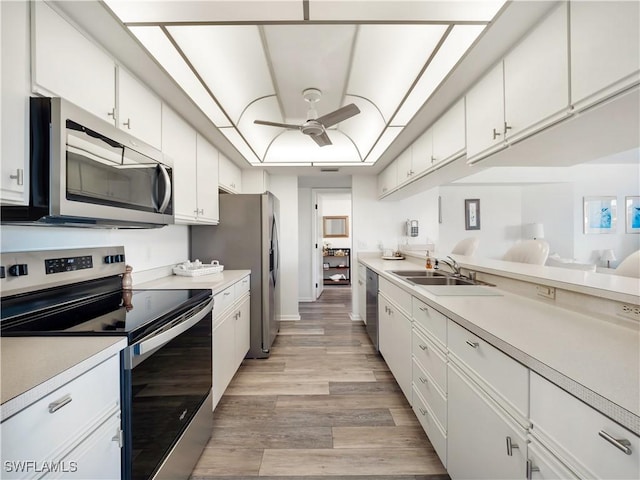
247, 238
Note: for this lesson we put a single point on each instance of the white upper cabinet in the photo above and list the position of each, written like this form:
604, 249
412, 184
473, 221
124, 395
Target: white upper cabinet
67, 64
14, 139
605, 49
230, 175
485, 114
536, 77
422, 151
387, 179
449, 140
524, 93
207, 182
404, 168
179, 143
139, 111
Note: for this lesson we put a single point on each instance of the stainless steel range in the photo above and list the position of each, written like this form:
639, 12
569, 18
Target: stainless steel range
166, 370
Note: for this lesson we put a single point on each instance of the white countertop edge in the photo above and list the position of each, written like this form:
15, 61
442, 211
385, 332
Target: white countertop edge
22, 401
605, 406
217, 282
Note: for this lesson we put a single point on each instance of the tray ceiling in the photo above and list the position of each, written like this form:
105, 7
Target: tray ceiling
241, 61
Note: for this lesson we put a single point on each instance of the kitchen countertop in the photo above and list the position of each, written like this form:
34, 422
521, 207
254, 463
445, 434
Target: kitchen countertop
33, 367
595, 360
216, 281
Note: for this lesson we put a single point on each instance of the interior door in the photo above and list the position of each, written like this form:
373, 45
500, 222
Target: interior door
318, 258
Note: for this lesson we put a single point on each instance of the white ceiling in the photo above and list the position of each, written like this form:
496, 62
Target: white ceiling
241, 60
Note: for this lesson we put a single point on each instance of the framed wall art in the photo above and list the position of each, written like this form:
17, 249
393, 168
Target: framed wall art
600, 214
632, 205
472, 214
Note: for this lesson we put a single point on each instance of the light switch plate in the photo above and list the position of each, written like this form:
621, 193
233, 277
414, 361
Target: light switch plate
546, 292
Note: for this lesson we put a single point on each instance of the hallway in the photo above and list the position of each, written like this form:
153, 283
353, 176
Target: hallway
323, 406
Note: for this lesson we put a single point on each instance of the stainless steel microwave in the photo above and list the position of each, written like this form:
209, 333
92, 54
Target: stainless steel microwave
85, 172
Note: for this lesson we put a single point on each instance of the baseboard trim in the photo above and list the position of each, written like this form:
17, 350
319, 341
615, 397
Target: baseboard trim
355, 317
306, 300
289, 318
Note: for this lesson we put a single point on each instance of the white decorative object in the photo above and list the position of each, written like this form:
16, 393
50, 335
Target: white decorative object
197, 268
533, 231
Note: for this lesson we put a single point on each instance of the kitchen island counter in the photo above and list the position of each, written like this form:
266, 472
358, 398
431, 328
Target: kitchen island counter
596, 360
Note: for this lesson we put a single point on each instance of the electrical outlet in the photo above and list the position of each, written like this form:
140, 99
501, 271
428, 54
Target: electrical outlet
631, 312
546, 292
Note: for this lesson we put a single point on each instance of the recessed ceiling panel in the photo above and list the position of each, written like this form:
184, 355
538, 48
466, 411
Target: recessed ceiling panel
260, 136
410, 11
365, 128
230, 60
293, 146
157, 43
309, 56
206, 11
388, 136
388, 59
236, 140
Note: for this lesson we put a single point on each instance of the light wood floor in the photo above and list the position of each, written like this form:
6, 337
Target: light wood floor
323, 406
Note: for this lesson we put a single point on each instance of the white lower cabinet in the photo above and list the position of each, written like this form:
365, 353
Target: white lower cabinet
75, 430
585, 440
483, 441
231, 334
394, 338
544, 465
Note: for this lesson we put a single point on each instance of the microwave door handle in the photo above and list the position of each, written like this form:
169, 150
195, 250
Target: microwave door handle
167, 189
165, 337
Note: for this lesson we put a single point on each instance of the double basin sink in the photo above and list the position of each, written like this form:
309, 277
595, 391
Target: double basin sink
428, 277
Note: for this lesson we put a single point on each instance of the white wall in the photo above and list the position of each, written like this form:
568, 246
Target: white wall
144, 249
305, 241
285, 187
337, 204
424, 208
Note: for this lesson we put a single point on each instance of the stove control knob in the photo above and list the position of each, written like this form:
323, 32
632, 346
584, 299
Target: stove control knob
119, 258
18, 270
110, 259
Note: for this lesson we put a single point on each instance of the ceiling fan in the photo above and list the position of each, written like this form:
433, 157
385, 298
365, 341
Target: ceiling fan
316, 126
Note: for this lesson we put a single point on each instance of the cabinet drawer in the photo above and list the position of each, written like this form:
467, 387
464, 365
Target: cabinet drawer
432, 395
91, 395
576, 429
432, 320
398, 296
502, 374
427, 355
545, 465
222, 301
437, 436
242, 287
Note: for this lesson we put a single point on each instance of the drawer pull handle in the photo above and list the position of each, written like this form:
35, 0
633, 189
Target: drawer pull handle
511, 446
620, 443
423, 347
118, 438
422, 411
531, 469
227, 293
423, 309
423, 380
472, 344
58, 404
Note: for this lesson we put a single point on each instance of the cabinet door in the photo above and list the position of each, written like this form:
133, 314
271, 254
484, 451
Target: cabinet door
404, 171
479, 434
230, 175
543, 465
422, 152
224, 365
67, 64
387, 179
449, 135
395, 343
179, 143
605, 48
536, 77
362, 292
485, 114
139, 111
242, 333
14, 134
207, 182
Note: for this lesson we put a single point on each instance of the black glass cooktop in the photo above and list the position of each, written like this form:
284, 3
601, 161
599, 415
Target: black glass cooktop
95, 309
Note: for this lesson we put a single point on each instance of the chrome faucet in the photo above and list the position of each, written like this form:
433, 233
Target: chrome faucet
453, 265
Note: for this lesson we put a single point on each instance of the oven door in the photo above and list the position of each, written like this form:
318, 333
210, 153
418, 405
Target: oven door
167, 381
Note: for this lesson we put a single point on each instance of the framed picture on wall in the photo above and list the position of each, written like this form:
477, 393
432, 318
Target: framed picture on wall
632, 205
472, 214
600, 214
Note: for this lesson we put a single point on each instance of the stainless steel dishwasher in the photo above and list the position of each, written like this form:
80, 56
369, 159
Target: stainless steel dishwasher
372, 307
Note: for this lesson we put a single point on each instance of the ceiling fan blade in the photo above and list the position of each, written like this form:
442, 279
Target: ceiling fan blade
339, 115
276, 124
322, 140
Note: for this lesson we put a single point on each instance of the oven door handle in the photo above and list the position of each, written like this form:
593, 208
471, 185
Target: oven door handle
165, 337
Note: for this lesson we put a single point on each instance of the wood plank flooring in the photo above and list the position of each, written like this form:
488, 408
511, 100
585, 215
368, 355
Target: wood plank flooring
323, 406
